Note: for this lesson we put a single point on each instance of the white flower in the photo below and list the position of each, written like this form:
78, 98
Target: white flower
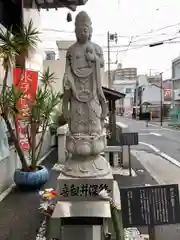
49, 189
104, 194
41, 193
44, 205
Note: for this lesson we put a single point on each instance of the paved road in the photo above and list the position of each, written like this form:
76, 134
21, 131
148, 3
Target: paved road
165, 139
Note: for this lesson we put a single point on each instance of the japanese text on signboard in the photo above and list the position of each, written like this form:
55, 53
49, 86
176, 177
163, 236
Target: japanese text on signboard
87, 190
152, 205
26, 81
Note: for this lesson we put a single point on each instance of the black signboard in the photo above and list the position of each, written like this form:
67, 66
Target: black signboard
150, 206
128, 139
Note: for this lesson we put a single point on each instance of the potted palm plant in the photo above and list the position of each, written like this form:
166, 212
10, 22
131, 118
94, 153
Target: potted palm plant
13, 50
36, 121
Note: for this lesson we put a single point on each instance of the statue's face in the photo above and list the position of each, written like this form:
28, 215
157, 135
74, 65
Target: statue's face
83, 33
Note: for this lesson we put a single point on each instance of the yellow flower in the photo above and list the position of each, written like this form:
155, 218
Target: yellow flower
48, 196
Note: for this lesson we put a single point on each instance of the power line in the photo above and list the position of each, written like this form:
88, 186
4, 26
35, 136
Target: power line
156, 36
158, 29
119, 35
125, 50
63, 31
132, 41
147, 45
143, 44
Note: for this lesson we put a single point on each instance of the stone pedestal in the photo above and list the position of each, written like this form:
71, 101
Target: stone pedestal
61, 133
80, 211
82, 232
82, 219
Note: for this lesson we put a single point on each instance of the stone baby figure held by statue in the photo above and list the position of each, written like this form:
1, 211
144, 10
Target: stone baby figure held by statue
84, 104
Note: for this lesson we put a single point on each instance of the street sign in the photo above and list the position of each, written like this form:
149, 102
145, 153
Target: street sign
150, 205
128, 139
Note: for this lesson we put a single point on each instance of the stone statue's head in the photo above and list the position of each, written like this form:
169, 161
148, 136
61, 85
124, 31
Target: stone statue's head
83, 27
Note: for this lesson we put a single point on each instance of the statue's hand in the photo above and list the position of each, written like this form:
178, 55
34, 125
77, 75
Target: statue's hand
66, 82
90, 57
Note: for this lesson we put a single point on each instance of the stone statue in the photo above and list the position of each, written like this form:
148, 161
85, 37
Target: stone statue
84, 104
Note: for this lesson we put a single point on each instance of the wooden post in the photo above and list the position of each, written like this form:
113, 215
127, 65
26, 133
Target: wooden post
111, 156
129, 152
151, 232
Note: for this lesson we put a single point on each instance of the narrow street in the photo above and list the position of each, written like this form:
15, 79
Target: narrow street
165, 139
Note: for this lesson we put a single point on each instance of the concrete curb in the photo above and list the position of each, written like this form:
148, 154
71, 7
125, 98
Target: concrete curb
162, 154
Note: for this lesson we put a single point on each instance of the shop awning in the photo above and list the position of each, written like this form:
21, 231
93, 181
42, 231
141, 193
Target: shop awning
48, 4
112, 94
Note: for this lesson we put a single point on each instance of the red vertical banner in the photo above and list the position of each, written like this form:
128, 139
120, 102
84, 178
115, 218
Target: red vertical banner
27, 81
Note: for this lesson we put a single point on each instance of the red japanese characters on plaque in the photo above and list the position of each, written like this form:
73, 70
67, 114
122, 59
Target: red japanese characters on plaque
25, 80
167, 94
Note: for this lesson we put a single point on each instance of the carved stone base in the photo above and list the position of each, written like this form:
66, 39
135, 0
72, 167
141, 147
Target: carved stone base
85, 145
91, 167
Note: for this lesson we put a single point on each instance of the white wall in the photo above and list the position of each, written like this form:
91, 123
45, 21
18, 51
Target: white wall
57, 67
128, 104
176, 94
122, 87
35, 61
176, 68
152, 94
142, 80
176, 83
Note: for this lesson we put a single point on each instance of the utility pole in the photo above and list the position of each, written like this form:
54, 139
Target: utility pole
109, 60
137, 94
161, 100
114, 38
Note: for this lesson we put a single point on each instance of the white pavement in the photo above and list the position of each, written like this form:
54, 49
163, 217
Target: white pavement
164, 141
164, 172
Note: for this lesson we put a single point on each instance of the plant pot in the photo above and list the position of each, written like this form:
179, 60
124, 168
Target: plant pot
31, 180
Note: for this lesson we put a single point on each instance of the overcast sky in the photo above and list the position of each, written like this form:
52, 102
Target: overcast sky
132, 20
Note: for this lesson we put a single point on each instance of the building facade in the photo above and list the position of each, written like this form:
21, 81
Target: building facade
176, 83
148, 98
57, 65
125, 73
126, 87
124, 81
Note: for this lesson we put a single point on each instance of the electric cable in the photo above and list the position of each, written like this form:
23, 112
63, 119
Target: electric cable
126, 50
119, 35
132, 41
132, 47
158, 29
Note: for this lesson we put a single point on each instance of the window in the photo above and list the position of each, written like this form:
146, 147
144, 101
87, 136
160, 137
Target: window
50, 55
128, 90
